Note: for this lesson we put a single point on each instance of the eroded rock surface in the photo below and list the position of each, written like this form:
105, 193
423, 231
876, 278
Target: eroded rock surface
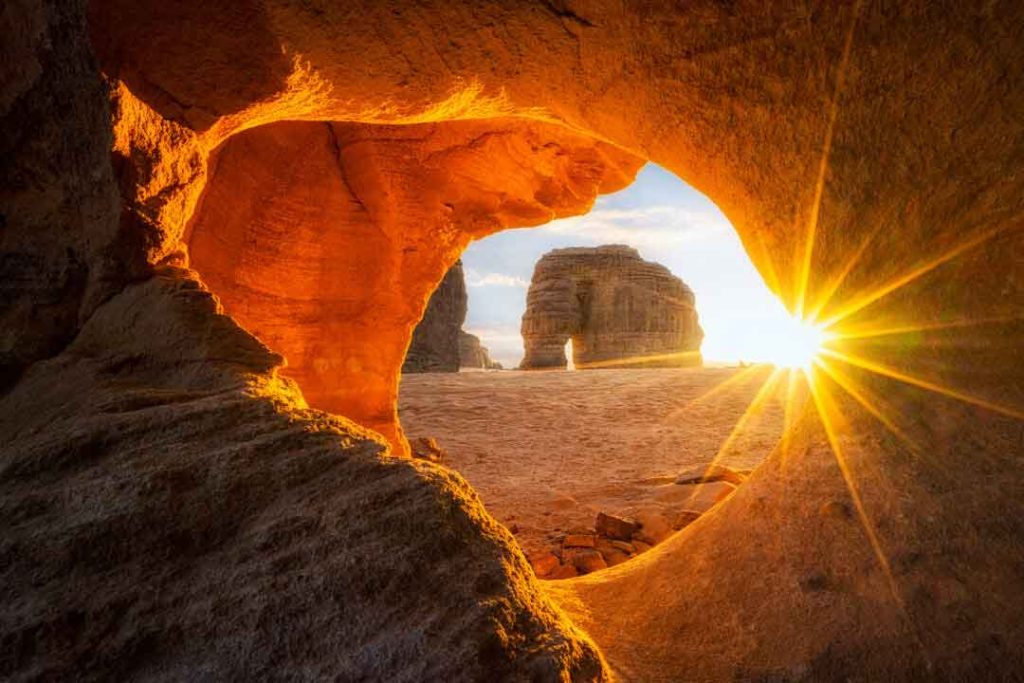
319, 236
868, 155
439, 344
618, 309
171, 509
437, 340
473, 354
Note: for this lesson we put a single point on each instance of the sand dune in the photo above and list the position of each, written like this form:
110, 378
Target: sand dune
547, 450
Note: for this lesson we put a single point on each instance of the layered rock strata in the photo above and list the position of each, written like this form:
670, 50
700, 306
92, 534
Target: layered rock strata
319, 236
473, 354
618, 309
439, 344
437, 341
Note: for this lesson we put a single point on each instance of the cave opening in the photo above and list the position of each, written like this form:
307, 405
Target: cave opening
289, 232
675, 402
172, 504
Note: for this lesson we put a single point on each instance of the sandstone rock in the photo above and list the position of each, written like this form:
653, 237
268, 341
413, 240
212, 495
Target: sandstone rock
436, 342
474, 355
613, 554
619, 310
579, 541
641, 547
614, 557
654, 527
697, 497
544, 564
139, 486
203, 480
564, 571
685, 518
324, 269
426, 448
711, 473
587, 561
624, 546
614, 527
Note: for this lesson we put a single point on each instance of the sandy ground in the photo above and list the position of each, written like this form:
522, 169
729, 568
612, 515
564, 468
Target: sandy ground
547, 450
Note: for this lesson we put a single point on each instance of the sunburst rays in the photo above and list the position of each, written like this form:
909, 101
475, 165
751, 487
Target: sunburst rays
840, 367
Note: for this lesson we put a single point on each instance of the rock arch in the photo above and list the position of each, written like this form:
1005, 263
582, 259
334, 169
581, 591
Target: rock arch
867, 153
618, 309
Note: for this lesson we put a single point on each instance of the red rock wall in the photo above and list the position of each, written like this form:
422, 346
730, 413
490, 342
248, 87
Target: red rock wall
326, 240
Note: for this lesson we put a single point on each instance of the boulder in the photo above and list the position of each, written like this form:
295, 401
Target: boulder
587, 561
618, 309
614, 557
614, 527
562, 571
544, 564
624, 546
578, 541
654, 527
612, 553
426, 448
713, 472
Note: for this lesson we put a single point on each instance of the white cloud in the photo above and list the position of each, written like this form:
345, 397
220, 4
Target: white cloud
475, 278
651, 228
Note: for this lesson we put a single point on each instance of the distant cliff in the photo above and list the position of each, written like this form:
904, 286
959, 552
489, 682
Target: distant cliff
472, 354
435, 342
439, 343
618, 309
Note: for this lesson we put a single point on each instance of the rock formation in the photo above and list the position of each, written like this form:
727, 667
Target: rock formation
171, 508
439, 343
618, 309
437, 340
301, 268
473, 354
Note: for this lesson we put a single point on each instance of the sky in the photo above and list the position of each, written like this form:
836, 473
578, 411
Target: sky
667, 221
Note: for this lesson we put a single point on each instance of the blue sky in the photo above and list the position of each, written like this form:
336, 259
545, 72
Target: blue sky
668, 222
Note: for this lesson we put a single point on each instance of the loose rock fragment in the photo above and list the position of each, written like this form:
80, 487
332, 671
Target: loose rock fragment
685, 518
427, 448
654, 527
702, 475
545, 564
615, 527
579, 541
563, 571
587, 561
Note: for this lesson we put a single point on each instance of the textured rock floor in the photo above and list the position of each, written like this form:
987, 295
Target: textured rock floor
547, 450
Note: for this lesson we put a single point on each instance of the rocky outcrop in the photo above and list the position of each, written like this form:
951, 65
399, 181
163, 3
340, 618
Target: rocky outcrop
437, 340
165, 497
439, 343
618, 309
473, 354
319, 236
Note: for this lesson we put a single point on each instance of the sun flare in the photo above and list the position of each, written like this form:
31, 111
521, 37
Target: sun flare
799, 345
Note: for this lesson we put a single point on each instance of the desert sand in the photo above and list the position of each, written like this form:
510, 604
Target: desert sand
546, 451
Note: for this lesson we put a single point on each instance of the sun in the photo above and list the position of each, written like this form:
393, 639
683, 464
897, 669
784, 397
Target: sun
798, 344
